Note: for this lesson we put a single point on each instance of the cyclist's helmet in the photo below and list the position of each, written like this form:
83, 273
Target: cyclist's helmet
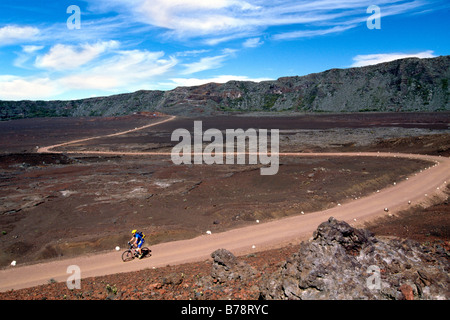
133, 232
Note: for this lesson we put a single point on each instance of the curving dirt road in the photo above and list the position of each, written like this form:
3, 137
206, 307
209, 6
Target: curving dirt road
49, 148
417, 189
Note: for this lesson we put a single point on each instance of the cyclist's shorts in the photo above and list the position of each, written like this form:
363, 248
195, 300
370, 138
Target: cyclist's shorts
140, 243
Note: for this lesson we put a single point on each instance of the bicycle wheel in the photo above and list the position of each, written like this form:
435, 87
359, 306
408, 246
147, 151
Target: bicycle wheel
127, 255
146, 252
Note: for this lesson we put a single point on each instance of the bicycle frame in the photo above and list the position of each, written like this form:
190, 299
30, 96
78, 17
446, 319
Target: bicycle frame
133, 249
132, 252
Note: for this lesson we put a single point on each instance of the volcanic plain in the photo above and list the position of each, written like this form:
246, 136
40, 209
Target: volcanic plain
60, 204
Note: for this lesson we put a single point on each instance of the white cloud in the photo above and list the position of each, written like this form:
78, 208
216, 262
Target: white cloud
191, 53
12, 34
218, 21
90, 81
208, 63
25, 55
310, 33
370, 59
199, 16
253, 43
17, 88
205, 63
124, 70
66, 57
120, 71
31, 48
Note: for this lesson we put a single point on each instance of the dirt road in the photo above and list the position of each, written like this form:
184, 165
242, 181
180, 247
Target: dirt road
49, 149
416, 189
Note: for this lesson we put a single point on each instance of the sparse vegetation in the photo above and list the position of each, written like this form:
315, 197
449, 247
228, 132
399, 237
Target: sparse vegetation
111, 289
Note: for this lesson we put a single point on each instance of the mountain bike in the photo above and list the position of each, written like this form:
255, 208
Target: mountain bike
132, 253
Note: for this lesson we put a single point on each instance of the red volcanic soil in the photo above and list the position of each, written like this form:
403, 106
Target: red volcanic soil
55, 206
24, 135
317, 121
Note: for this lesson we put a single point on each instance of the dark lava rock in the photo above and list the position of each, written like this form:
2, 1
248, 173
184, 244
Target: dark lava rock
341, 262
227, 267
351, 239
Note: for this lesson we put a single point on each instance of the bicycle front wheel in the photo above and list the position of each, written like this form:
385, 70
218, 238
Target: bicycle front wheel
127, 255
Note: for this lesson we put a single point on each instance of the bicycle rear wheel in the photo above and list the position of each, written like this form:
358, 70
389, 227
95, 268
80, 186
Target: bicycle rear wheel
146, 252
127, 255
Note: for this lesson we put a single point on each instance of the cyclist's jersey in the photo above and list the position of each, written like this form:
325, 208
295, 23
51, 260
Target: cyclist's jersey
139, 237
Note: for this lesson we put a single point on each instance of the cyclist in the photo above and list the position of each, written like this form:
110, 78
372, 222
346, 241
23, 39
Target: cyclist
138, 241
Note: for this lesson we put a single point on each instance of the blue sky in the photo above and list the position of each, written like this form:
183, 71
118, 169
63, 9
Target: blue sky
128, 45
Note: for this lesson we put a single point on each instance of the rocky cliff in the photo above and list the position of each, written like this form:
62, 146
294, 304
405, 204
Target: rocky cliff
399, 86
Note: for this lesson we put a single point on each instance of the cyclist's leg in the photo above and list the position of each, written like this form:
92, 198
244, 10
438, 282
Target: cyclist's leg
139, 246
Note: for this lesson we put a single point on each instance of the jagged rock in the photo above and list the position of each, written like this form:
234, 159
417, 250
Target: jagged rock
341, 262
349, 238
227, 267
174, 279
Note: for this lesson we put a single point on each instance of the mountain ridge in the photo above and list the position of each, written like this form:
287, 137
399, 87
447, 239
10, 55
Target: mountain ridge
404, 85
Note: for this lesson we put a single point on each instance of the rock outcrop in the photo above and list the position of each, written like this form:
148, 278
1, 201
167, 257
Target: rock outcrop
227, 267
341, 262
